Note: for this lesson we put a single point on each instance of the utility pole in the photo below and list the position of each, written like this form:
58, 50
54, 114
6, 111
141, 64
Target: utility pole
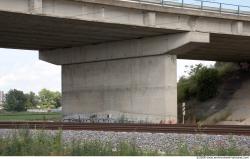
183, 112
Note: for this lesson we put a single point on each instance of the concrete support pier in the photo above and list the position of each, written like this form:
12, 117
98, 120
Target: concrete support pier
132, 80
137, 89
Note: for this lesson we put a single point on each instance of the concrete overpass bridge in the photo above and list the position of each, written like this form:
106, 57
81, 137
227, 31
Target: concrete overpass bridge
119, 57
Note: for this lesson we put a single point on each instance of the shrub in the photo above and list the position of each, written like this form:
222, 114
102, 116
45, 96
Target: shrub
207, 80
183, 89
202, 84
225, 68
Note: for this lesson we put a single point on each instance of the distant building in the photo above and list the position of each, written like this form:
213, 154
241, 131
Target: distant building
2, 98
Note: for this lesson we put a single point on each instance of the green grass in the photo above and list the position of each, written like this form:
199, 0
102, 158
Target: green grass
22, 143
26, 116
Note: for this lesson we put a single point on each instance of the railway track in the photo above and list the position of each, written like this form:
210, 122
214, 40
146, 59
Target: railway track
153, 128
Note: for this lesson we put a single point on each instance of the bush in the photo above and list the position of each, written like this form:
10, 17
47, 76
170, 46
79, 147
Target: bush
183, 88
226, 68
202, 84
207, 80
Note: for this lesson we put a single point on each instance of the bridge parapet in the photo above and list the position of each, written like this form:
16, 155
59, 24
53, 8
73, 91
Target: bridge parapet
204, 5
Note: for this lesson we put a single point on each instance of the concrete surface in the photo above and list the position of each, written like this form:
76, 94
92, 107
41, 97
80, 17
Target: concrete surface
239, 106
179, 43
237, 109
135, 79
137, 88
54, 24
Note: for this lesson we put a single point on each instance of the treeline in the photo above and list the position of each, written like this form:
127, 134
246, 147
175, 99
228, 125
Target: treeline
16, 100
201, 84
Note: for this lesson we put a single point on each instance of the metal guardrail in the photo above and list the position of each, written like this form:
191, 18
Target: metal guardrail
202, 5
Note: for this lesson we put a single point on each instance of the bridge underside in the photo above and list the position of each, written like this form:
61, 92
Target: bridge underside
222, 48
34, 32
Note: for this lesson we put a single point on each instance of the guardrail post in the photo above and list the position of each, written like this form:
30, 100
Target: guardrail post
201, 5
182, 3
162, 2
238, 9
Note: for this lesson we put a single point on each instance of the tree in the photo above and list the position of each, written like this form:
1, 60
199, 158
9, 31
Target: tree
15, 101
49, 99
32, 100
201, 84
207, 80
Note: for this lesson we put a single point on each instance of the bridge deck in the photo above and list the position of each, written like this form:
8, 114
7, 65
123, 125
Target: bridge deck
26, 31
72, 23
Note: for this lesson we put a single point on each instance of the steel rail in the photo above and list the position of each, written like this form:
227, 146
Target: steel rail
152, 128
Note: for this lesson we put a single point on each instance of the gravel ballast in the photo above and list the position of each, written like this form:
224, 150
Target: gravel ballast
153, 141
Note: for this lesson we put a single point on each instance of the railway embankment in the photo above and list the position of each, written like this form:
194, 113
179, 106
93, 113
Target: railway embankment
162, 142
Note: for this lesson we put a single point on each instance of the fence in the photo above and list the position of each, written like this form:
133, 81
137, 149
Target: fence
202, 5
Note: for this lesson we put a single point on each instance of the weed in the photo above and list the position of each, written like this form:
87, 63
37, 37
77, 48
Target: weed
26, 143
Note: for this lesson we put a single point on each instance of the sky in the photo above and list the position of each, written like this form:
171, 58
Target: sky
22, 70
238, 2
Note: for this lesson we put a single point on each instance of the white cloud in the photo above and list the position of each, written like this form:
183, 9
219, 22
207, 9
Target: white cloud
29, 75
